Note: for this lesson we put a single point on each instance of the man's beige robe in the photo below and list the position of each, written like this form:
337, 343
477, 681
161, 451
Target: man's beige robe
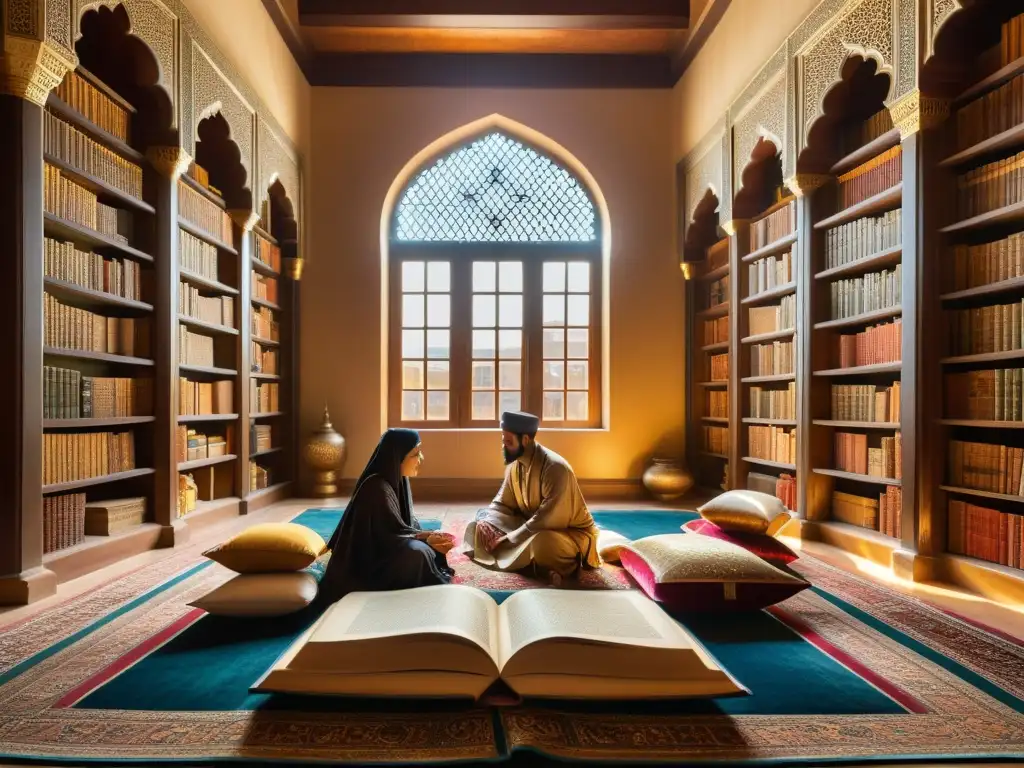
541, 510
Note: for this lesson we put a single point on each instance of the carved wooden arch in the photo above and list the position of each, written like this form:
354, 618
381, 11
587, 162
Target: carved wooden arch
703, 228
708, 167
275, 162
761, 173
228, 160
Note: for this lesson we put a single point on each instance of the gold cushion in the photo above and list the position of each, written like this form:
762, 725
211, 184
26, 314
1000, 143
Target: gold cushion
260, 594
746, 512
269, 548
609, 543
677, 557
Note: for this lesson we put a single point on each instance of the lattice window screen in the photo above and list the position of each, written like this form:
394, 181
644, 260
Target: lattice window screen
495, 190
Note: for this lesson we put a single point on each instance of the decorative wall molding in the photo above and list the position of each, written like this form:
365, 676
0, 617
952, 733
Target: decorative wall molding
30, 69
760, 114
915, 112
171, 162
940, 12
277, 162
706, 168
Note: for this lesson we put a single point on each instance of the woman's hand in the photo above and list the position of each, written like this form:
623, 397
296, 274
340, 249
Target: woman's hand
439, 542
488, 535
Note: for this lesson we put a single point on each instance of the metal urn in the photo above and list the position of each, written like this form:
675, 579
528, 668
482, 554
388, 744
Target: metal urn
667, 480
325, 453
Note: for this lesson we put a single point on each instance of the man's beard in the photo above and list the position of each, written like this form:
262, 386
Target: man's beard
511, 455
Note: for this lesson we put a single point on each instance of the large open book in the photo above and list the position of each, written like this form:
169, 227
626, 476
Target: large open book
454, 640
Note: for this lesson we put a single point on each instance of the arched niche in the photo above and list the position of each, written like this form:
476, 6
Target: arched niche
279, 218
107, 48
760, 180
703, 231
218, 154
859, 95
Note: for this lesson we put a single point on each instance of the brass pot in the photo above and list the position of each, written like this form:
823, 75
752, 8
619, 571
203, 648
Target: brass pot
325, 453
667, 480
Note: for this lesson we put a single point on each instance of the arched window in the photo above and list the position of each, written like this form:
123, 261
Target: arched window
495, 279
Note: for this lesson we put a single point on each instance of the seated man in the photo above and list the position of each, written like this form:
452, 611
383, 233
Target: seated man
539, 516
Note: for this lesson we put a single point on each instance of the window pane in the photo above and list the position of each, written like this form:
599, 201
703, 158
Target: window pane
579, 309
485, 278
437, 406
579, 277
554, 310
554, 374
412, 276
510, 276
412, 374
510, 401
510, 311
577, 406
554, 406
412, 310
412, 344
438, 374
511, 375
438, 276
439, 311
577, 375
483, 406
554, 342
579, 343
510, 345
412, 406
483, 375
438, 346
484, 311
483, 344
554, 276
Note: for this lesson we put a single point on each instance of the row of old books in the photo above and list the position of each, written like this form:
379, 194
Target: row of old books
890, 511
69, 394
878, 344
883, 514
853, 454
867, 293
774, 359
981, 330
866, 402
118, 277
864, 237
773, 227
773, 403
94, 105
218, 310
858, 133
113, 516
205, 398
992, 186
715, 331
259, 477
192, 445
203, 213
268, 253
877, 175
264, 287
770, 272
1011, 40
264, 397
64, 198
717, 403
67, 327
83, 455
718, 367
986, 534
63, 521
718, 292
197, 256
65, 142
991, 395
194, 348
776, 444
778, 317
783, 487
986, 467
260, 438
200, 175
990, 115
716, 440
265, 361
987, 263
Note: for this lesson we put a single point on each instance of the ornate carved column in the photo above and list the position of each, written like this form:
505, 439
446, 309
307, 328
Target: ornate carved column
244, 220
31, 65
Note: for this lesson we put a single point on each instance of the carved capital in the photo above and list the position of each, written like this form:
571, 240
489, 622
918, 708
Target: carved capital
30, 69
915, 112
244, 218
293, 268
803, 184
171, 162
687, 269
732, 226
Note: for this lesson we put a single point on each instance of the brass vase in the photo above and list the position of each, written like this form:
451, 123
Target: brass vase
325, 453
667, 480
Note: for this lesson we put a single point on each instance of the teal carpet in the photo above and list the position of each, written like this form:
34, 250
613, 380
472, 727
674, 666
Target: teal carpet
211, 665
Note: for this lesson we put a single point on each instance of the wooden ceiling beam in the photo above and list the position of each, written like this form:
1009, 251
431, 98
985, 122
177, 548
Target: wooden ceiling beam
498, 14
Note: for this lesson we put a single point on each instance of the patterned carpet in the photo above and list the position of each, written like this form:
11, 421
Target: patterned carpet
950, 689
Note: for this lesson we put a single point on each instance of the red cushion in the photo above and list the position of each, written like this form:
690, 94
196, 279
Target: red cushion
766, 547
715, 596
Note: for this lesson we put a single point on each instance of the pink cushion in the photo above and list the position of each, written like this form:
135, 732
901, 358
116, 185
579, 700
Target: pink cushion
765, 547
701, 574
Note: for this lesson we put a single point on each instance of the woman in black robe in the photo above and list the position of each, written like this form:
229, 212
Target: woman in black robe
379, 544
